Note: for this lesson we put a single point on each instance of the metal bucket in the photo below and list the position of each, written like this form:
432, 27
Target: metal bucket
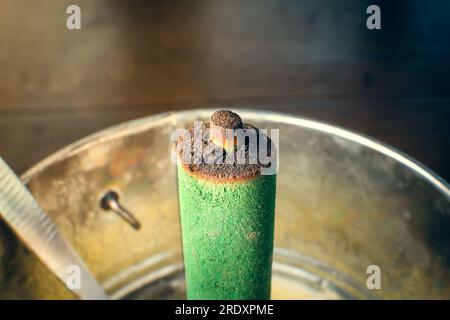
344, 202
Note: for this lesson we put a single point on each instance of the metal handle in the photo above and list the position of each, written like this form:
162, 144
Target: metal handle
110, 201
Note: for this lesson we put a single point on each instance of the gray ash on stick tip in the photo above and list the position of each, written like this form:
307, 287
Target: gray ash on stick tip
226, 119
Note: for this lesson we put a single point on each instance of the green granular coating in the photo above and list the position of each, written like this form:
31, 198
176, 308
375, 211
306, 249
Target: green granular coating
227, 231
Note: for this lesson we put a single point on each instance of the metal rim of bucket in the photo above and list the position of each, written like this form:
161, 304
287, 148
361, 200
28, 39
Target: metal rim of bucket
142, 124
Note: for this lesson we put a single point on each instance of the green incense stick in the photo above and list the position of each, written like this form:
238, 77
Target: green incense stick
227, 219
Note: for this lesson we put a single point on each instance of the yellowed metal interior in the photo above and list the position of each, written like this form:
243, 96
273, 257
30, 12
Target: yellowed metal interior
344, 202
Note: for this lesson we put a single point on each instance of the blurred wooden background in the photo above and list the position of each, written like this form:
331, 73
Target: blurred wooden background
313, 58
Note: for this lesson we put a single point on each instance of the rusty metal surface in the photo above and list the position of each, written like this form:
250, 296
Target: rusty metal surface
344, 202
